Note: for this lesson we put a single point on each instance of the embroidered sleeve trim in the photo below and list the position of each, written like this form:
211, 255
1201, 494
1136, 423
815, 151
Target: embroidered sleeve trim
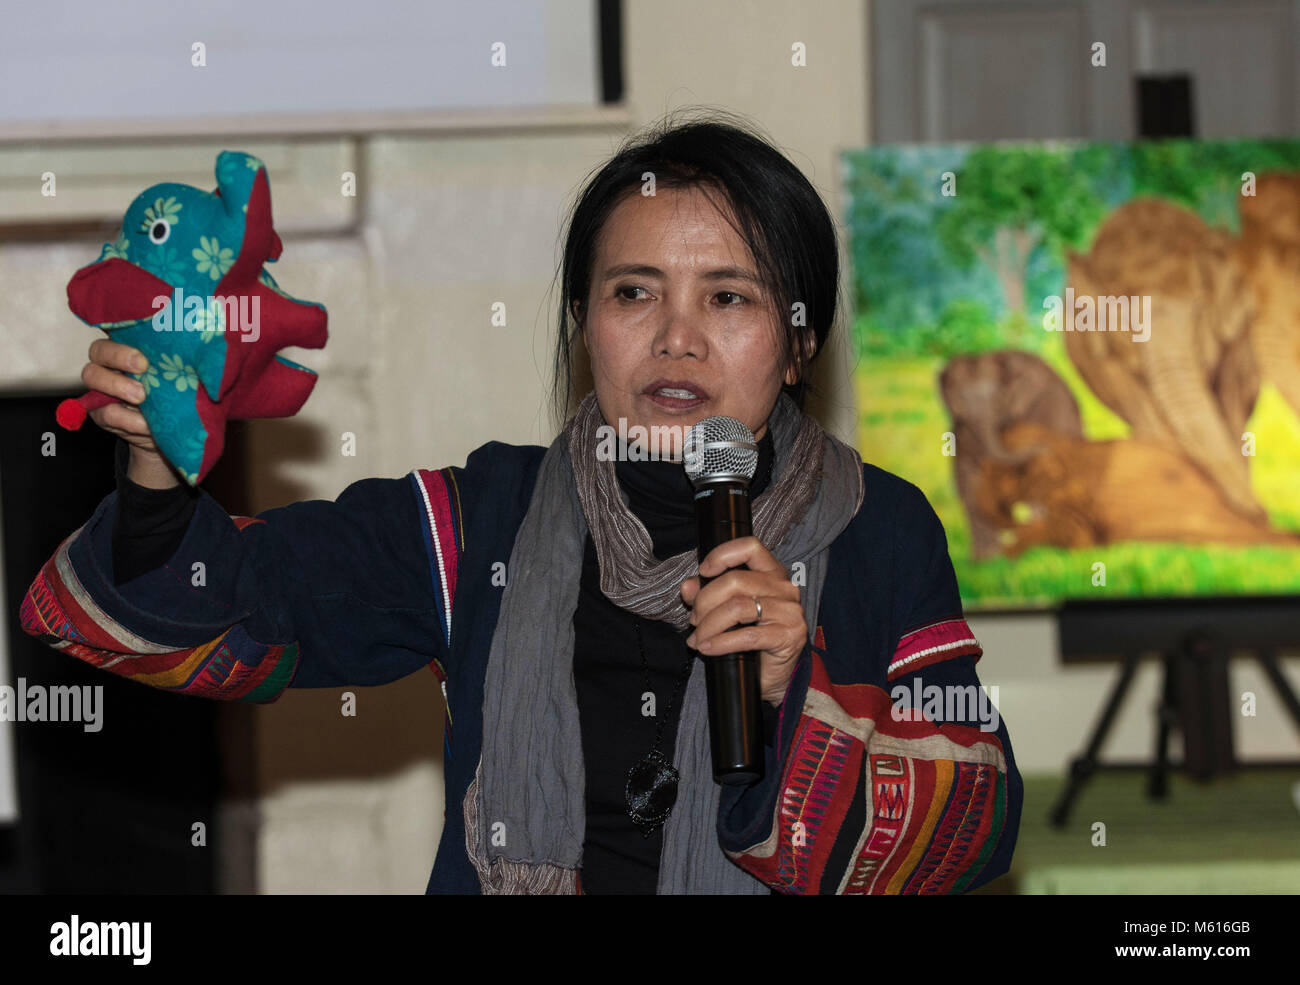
444, 542
59, 611
932, 644
441, 531
871, 805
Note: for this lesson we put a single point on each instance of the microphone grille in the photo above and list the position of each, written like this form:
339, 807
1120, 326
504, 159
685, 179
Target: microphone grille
719, 448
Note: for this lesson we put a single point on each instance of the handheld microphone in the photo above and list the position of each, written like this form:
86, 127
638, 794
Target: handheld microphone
721, 456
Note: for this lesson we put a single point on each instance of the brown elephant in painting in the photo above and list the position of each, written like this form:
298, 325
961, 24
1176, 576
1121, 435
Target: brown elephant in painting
985, 394
1191, 386
1269, 253
1080, 493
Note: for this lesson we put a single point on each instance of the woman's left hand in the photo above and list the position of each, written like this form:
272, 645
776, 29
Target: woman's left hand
728, 599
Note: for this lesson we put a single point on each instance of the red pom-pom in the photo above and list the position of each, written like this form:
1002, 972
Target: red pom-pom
70, 414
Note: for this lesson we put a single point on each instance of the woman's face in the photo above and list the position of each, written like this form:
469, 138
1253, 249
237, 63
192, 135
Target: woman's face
675, 300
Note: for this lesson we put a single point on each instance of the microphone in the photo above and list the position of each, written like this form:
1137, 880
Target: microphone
721, 456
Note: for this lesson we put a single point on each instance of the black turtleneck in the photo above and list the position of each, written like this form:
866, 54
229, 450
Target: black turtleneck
610, 681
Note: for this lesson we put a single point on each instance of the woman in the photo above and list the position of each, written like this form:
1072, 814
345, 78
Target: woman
554, 592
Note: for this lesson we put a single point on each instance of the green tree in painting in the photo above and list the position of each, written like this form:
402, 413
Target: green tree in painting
964, 325
1207, 176
1012, 200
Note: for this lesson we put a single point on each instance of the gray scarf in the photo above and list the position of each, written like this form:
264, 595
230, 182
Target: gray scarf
525, 811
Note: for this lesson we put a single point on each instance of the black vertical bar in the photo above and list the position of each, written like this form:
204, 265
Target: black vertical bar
1165, 106
609, 18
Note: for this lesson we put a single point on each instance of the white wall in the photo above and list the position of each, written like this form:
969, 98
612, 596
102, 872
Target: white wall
70, 61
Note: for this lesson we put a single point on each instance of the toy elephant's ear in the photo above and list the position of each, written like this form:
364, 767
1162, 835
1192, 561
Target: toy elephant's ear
114, 292
236, 172
245, 191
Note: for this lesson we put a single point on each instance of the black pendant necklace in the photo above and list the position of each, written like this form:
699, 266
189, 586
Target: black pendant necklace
652, 783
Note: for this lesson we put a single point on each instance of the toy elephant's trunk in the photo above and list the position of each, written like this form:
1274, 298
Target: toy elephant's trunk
71, 413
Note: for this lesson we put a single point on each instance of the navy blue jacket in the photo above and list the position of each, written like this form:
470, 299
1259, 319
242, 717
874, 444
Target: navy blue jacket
398, 574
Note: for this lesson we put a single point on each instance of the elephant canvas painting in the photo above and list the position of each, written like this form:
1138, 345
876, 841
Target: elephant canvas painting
1087, 355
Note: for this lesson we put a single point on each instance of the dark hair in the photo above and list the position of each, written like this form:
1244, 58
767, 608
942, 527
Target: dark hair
777, 212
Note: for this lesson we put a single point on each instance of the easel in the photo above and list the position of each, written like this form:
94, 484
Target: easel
1190, 635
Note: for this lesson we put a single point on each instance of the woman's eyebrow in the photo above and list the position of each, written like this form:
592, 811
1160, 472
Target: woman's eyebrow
647, 270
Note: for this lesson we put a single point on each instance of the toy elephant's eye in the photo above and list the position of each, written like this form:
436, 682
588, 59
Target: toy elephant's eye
160, 230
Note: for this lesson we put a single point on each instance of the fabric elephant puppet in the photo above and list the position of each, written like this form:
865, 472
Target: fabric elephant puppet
184, 283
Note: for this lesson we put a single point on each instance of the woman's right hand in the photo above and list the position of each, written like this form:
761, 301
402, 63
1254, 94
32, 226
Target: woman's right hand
110, 362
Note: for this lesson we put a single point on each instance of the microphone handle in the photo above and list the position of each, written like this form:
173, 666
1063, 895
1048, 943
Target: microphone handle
722, 513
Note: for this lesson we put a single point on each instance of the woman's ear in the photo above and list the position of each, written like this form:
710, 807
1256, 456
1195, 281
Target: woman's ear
809, 345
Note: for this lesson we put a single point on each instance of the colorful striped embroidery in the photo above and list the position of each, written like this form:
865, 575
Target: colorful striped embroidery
442, 536
871, 805
931, 644
59, 611
444, 541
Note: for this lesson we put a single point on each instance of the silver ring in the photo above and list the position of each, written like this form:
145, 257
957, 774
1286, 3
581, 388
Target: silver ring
759, 606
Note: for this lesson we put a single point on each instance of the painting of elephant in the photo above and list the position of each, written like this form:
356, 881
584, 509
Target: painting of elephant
1191, 386
985, 394
1086, 352
1268, 251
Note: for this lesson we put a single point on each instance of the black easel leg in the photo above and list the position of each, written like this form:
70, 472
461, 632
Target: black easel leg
1082, 767
1166, 717
1221, 711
